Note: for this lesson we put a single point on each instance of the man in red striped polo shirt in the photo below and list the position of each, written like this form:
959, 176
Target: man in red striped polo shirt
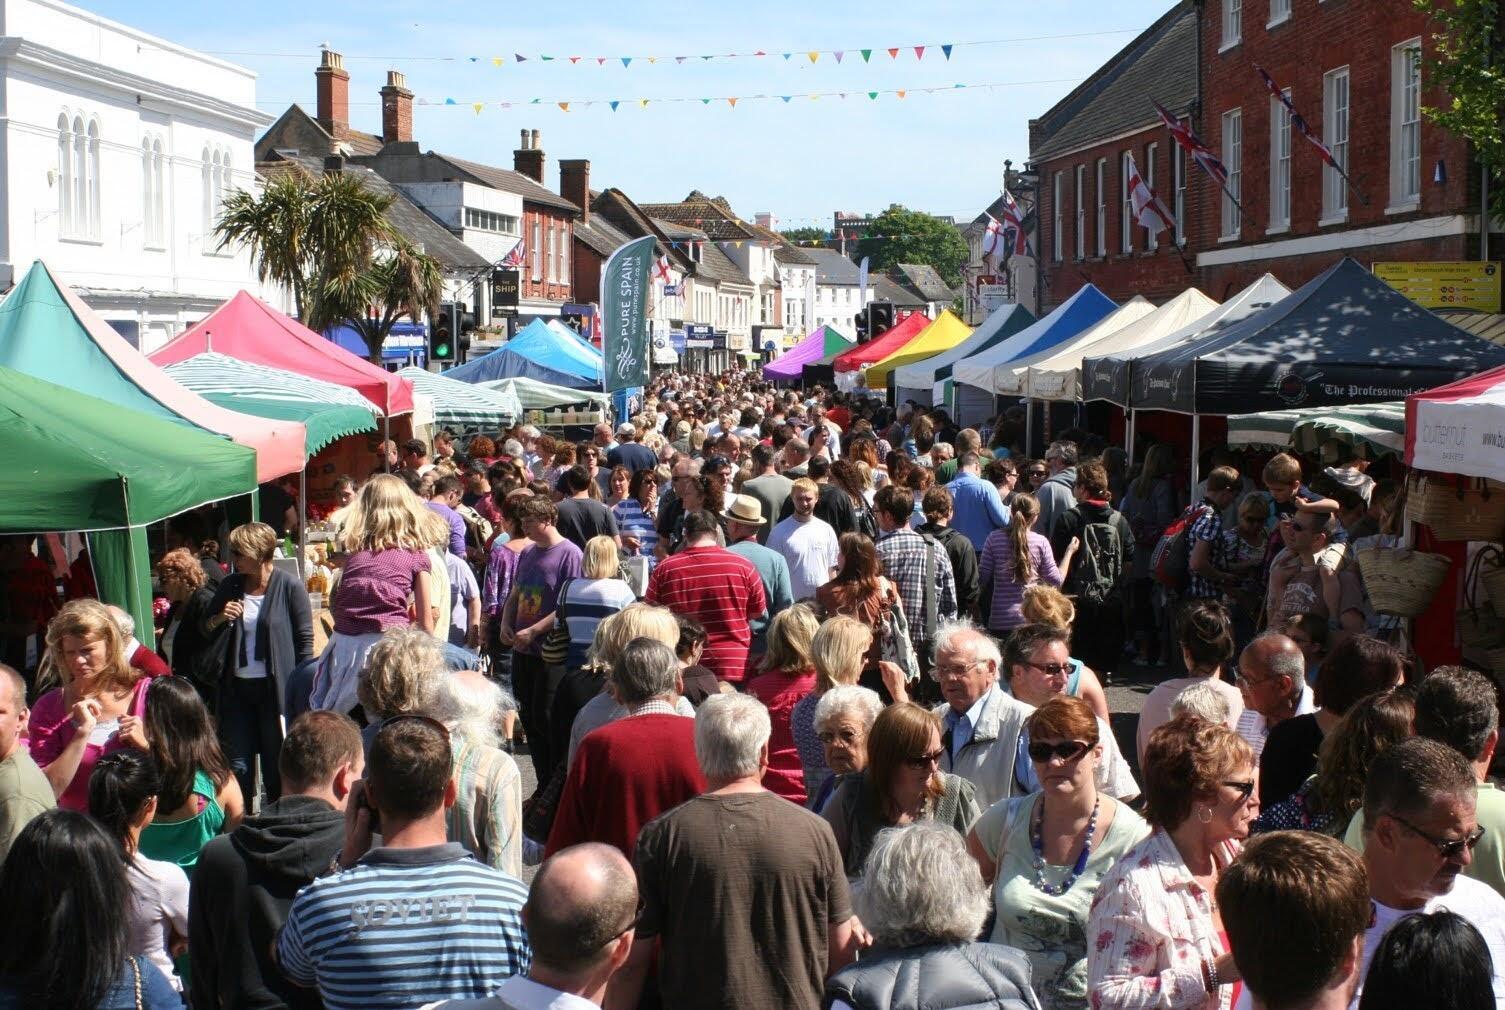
718, 588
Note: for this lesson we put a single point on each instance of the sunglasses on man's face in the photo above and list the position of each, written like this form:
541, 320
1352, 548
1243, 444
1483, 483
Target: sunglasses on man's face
1067, 750
1447, 848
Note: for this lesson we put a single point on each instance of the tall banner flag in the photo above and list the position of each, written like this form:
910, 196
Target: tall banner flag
862, 282
1301, 126
624, 311
1199, 152
517, 256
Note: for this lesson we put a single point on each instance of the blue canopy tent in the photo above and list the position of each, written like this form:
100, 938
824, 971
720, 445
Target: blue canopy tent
536, 352
929, 381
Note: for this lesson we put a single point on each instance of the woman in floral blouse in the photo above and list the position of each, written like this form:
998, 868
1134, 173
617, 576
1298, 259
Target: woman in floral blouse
1156, 937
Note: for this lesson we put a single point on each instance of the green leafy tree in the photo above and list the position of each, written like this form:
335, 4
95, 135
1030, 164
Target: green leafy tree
329, 242
1467, 70
900, 235
807, 235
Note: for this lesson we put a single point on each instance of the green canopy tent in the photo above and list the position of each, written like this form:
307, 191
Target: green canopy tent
79, 463
329, 411
1380, 427
464, 404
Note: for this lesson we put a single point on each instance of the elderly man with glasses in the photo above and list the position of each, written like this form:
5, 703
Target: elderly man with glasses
1271, 676
983, 724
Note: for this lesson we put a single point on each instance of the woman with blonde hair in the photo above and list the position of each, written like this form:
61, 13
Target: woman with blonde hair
902, 784
1010, 563
98, 707
838, 651
587, 601
788, 677
1045, 604
860, 590
387, 536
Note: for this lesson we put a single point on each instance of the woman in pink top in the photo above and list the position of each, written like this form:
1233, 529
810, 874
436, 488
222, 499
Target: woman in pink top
1009, 564
789, 676
387, 568
97, 709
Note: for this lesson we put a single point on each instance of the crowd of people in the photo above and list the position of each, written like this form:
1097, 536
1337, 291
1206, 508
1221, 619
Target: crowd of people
812, 690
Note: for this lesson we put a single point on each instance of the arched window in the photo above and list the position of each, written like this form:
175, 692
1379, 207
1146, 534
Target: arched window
159, 192
153, 229
208, 190
64, 175
80, 178
94, 216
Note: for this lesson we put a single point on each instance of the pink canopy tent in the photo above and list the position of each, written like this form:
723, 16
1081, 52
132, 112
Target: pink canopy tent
247, 328
49, 332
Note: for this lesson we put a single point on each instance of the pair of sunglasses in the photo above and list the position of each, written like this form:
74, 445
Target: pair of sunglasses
921, 762
1067, 750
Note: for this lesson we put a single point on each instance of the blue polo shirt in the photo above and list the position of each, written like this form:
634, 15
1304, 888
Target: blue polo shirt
977, 509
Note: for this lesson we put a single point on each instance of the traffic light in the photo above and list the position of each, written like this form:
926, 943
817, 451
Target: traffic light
441, 343
861, 322
880, 319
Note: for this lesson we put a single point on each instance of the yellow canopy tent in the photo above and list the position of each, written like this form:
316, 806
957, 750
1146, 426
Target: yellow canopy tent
942, 335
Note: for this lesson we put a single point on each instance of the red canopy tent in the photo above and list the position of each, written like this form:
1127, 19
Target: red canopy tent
247, 328
876, 350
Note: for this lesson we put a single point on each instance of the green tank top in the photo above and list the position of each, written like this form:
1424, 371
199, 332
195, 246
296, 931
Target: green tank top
180, 841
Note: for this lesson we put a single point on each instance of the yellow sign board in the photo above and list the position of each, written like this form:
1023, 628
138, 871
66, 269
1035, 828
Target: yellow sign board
1461, 286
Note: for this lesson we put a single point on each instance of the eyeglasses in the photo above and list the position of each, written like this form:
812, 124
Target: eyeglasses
1067, 751
1052, 669
846, 736
427, 720
920, 762
1244, 789
1447, 848
953, 669
1037, 473
1241, 678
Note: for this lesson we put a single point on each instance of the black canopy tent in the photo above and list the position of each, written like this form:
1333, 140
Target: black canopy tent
1344, 337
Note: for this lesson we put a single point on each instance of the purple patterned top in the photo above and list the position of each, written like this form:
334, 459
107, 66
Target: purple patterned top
996, 568
501, 566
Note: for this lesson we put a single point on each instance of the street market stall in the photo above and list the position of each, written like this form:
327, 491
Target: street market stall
973, 378
849, 364
945, 333
821, 345
463, 404
1010, 379
536, 352
928, 382
1379, 427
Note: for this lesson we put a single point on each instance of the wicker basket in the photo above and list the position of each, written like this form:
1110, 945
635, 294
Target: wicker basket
1492, 578
1479, 623
1401, 582
1457, 508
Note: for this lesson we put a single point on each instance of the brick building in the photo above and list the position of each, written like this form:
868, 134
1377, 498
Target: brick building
1080, 149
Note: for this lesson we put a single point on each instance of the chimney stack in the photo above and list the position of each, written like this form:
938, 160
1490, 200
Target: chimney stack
765, 219
396, 109
528, 160
332, 83
575, 185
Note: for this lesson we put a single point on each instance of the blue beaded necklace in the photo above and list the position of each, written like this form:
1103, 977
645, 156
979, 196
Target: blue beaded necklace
1037, 842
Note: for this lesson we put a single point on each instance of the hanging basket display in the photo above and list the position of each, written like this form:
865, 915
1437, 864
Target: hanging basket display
1457, 508
1401, 582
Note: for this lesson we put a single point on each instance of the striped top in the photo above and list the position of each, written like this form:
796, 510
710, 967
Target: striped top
722, 591
487, 817
584, 605
996, 568
405, 927
633, 521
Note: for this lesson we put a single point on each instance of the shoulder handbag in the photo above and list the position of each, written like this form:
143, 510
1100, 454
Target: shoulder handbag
894, 642
556, 644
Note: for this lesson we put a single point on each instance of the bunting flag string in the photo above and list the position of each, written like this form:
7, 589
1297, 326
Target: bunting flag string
732, 101
498, 60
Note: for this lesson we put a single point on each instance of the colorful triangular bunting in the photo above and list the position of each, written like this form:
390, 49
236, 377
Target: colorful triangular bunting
614, 105
732, 102
867, 54
839, 54
919, 52
894, 53
947, 50
813, 55
627, 61
565, 106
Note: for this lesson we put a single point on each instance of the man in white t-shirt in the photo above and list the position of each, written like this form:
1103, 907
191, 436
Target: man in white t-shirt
1419, 834
808, 544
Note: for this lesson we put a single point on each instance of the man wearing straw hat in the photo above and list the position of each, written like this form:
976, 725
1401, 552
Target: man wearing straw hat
744, 520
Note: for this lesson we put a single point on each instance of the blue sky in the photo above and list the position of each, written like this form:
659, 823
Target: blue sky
801, 160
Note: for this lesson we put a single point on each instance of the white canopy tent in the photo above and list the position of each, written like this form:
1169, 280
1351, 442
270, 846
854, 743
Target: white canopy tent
1009, 378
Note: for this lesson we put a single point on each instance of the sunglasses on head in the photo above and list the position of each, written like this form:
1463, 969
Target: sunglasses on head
1066, 750
426, 720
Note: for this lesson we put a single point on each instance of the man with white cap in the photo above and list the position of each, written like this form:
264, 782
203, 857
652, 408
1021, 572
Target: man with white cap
630, 452
744, 520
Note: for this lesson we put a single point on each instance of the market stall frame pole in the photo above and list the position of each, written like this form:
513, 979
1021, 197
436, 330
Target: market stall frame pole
1196, 448
1029, 426
1132, 417
303, 517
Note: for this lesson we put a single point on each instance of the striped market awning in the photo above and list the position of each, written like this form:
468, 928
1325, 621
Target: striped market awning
463, 403
1381, 427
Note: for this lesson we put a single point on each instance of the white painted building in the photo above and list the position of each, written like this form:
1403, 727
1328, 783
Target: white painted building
118, 149
487, 220
838, 296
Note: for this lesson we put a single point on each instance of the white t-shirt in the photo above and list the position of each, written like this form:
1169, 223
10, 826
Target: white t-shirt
811, 551
158, 909
254, 668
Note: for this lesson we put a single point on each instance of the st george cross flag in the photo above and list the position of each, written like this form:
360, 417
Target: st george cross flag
992, 238
1189, 142
1298, 122
661, 269
517, 257
1013, 220
1149, 211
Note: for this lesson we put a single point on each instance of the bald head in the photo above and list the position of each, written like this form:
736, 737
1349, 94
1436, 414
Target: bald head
1271, 670
583, 899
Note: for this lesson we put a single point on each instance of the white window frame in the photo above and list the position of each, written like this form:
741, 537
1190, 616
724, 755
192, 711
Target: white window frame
1102, 208
1233, 161
1081, 212
1233, 24
1280, 13
153, 190
1280, 165
1151, 152
1178, 169
1126, 224
1337, 97
1405, 126
535, 252
1055, 212
66, 206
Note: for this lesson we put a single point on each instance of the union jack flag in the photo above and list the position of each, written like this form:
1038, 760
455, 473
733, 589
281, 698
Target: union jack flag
1298, 121
1013, 220
1189, 142
518, 257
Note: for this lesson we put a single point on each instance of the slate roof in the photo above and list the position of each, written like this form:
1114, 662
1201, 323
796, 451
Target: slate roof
359, 142
887, 290
678, 232
410, 220
1158, 66
508, 181
715, 266
924, 281
831, 267
600, 235
791, 255
710, 217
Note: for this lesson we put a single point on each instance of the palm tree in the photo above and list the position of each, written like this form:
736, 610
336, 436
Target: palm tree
401, 281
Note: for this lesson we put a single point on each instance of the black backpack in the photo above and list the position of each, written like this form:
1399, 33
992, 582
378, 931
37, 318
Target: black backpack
1097, 570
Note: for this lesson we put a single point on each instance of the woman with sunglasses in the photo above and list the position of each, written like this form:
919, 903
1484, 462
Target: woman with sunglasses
1037, 473
1158, 938
637, 514
902, 784
1045, 854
